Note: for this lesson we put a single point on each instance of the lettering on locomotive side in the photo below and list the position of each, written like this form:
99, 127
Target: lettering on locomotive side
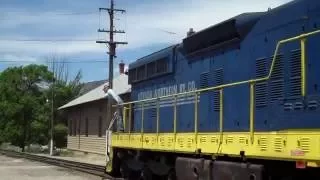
168, 90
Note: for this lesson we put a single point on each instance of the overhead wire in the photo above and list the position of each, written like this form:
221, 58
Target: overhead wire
76, 13
49, 40
69, 62
53, 40
126, 26
99, 22
51, 13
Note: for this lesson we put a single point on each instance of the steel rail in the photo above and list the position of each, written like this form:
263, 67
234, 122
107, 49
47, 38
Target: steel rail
92, 169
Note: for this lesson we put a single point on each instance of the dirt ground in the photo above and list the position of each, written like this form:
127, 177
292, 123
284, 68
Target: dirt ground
16, 169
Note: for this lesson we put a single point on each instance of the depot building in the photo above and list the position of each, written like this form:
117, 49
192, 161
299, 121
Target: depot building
87, 115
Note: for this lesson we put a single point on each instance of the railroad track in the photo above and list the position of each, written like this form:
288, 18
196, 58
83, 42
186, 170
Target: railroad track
96, 170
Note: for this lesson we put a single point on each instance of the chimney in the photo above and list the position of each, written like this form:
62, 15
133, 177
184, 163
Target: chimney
190, 32
121, 67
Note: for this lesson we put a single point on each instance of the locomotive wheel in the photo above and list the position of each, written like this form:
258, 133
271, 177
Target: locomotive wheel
146, 174
127, 173
124, 171
171, 175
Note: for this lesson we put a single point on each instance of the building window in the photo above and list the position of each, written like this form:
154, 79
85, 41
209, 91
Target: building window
74, 127
87, 127
70, 127
100, 127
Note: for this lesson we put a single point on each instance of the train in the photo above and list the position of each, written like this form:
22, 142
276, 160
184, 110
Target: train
238, 100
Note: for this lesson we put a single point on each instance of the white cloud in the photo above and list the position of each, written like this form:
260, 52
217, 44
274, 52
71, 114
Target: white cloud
44, 48
15, 58
145, 25
48, 26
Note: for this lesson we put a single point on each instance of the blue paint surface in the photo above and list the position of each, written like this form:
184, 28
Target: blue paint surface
232, 58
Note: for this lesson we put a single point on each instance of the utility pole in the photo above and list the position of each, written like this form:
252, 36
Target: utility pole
52, 112
112, 47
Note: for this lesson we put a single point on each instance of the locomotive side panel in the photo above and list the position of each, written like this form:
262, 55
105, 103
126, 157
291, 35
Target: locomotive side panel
269, 120
278, 101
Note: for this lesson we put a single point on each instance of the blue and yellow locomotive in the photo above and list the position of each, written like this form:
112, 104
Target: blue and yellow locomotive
238, 100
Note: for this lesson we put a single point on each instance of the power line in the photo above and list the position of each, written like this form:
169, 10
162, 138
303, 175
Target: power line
53, 15
50, 13
76, 13
22, 61
49, 40
66, 12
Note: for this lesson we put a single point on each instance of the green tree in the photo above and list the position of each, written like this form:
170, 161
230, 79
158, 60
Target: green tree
26, 97
22, 100
64, 90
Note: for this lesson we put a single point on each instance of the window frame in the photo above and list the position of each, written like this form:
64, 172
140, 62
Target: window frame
86, 127
74, 127
100, 126
70, 127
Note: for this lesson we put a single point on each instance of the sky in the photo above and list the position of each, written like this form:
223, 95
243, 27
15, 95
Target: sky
67, 29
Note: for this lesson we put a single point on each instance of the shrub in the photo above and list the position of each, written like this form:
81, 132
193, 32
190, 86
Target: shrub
60, 135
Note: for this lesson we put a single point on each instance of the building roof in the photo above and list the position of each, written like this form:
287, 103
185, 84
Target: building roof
120, 86
88, 86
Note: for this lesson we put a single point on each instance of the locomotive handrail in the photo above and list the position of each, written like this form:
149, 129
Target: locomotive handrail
302, 36
251, 82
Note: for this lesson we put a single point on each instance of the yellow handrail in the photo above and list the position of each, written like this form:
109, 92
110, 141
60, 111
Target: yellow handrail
175, 115
130, 112
239, 82
221, 114
158, 115
252, 82
142, 117
124, 117
196, 96
252, 112
303, 66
